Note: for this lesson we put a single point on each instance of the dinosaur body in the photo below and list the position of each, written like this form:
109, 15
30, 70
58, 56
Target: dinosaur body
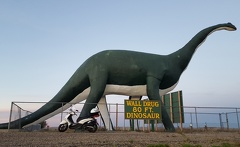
123, 72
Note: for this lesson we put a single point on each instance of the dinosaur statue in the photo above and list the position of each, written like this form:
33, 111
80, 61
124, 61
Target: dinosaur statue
122, 72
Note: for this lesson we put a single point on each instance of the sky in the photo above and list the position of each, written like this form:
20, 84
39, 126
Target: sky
42, 43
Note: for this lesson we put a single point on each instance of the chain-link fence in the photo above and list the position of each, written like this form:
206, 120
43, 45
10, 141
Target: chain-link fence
194, 117
16, 113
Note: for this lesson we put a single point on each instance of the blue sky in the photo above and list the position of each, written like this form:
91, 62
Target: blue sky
42, 43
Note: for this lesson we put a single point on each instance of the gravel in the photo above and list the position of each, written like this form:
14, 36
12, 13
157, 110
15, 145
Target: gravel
117, 139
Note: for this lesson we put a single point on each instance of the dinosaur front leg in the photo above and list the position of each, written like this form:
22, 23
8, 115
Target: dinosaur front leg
153, 94
97, 88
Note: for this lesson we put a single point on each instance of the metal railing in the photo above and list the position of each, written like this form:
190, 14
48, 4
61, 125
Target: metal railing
194, 117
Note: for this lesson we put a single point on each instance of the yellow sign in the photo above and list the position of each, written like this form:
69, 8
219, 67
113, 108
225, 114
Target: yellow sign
146, 109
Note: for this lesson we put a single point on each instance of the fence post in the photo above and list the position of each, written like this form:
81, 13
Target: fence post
191, 117
124, 124
180, 110
143, 125
20, 114
220, 119
109, 110
227, 121
10, 116
237, 118
196, 117
62, 113
148, 125
116, 116
156, 125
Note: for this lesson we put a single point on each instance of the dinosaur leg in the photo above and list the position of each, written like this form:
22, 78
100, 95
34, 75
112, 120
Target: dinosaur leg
153, 94
98, 85
102, 105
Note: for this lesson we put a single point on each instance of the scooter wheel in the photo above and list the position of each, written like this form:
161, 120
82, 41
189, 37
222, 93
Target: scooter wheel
62, 127
93, 128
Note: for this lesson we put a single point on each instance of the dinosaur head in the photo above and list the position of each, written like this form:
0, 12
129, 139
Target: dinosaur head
229, 27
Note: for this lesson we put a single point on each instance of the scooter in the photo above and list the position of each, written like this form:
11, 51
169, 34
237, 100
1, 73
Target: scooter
90, 123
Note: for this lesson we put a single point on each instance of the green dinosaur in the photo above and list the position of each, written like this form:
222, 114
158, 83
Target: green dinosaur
122, 72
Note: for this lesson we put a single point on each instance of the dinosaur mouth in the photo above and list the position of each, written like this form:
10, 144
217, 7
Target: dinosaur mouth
231, 29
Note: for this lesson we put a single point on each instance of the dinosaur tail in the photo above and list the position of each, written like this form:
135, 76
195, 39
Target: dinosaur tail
60, 102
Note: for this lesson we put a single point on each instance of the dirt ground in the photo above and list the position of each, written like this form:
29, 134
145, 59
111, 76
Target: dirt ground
120, 139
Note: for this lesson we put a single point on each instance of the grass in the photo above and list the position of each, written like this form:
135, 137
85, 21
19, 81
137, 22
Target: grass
158, 145
131, 141
228, 145
189, 145
222, 145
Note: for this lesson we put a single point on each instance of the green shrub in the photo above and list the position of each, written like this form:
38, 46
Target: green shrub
189, 145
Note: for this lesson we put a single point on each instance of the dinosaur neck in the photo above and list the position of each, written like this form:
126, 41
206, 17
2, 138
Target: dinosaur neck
183, 56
